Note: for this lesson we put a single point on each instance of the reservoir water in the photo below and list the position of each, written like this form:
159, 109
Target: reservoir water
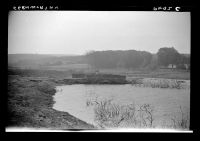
166, 102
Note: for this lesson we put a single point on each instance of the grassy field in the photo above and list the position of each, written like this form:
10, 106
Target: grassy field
158, 73
66, 71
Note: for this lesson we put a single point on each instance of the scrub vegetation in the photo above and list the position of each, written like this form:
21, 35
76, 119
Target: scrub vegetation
111, 115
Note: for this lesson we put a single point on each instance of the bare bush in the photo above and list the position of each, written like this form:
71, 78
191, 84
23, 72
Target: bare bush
146, 115
112, 115
181, 122
109, 115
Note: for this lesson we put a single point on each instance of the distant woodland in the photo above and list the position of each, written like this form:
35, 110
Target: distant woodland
132, 59
129, 59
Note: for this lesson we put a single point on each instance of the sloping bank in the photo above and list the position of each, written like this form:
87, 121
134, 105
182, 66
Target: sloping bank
30, 105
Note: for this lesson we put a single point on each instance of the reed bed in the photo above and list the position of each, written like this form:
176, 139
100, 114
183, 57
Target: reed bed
111, 115
159, 83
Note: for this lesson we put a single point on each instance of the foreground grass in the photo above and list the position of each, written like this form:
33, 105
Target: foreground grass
30, 105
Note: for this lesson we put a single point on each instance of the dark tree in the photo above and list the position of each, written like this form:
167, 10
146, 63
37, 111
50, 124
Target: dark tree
168, 56
130, 59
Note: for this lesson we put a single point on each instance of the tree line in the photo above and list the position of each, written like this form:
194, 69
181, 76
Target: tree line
132, 59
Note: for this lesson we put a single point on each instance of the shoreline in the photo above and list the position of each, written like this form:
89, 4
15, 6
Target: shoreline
30, 101
30, 105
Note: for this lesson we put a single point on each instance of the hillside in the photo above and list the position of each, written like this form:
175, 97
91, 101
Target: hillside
39, 60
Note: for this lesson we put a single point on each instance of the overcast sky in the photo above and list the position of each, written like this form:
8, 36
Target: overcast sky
77, 32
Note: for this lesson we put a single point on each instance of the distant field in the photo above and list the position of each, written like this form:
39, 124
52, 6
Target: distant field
159, 73
73, 67
39, 73
63, 72
64, 66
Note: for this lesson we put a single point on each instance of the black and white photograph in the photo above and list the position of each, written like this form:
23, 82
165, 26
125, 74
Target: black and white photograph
99, 71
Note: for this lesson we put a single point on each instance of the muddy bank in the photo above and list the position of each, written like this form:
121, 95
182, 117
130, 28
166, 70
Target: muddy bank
30, 105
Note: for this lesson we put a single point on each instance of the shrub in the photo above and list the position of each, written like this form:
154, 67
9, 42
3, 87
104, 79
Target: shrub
46, 87
109, 114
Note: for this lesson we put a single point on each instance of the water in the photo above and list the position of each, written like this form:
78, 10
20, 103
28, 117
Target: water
73, 98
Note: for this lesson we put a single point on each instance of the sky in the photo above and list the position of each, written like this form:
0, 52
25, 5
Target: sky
78, 32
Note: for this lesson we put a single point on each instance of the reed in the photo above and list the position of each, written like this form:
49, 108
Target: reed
181, 122
162, 83
111, 115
